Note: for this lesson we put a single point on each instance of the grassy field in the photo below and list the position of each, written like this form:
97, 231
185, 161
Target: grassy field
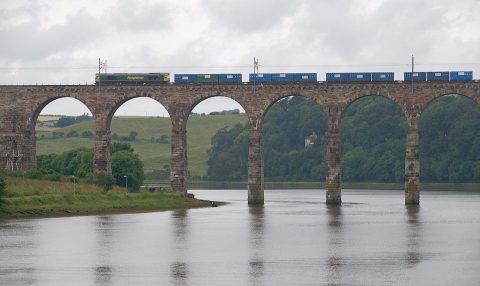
32, 198
200, 130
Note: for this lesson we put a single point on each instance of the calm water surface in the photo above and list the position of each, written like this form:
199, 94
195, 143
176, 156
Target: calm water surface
295, 239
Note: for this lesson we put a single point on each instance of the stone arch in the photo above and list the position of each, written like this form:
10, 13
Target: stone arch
197, 101
279, 97
440, 95
446, 136
359, 150
42, 104
356, 97
314, 129
105, 124
30, 135
117, 104
227, 165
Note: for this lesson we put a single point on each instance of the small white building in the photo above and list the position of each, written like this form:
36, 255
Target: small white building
310, 140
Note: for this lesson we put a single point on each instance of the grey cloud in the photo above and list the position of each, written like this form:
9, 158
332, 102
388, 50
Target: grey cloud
395, 28
131, 16
251, 16
29, 42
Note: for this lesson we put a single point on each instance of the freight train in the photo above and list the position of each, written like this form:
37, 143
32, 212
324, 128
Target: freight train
164, 78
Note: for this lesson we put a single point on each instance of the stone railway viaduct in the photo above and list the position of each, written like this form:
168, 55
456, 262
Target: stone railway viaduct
21, 106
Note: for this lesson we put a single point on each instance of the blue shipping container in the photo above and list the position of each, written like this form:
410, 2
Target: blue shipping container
461, 75
438, 76
281, 77
360, 76
383, 76
337, 77
260, 77
185, 78
236, 77
311, 77
417, 76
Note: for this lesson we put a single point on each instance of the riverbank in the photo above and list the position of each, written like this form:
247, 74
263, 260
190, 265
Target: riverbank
36, 198
427, 186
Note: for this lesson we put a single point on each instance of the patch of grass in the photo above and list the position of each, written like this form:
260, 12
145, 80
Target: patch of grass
28, 197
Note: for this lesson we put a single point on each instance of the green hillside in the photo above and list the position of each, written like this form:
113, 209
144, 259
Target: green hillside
155, 156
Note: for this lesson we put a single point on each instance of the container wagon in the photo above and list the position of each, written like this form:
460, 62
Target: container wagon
417, 76
283, 77
208, 78
461, 75
383, 76
438, 76
349, 77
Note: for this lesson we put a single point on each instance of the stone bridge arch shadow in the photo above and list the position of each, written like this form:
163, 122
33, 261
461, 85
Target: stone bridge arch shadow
373, 140
449, 131
145, 124
65, 112
294, 129
217, 143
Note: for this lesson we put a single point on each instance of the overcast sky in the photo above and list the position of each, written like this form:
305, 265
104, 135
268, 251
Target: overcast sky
59, 42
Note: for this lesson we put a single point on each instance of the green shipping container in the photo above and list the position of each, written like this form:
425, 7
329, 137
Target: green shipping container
207, 78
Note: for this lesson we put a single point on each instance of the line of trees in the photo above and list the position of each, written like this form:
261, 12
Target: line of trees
373, 132
70, 120
79, 163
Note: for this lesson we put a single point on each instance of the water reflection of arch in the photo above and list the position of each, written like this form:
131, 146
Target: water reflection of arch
335, 242
256, 263
105, 233
179, 268
413, 255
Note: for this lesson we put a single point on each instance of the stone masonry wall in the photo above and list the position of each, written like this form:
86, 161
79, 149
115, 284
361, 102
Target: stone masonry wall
21, 106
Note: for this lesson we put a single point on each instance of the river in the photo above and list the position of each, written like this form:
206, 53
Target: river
295, 239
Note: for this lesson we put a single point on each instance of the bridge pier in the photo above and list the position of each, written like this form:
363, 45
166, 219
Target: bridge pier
412, 163
18, 151
333, 181
102, 154
255, 167
178, 160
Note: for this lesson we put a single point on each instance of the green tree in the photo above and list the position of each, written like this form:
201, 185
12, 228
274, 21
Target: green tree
118, 146
65, 121
126, 163
87, 134
132, 136
104, 180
